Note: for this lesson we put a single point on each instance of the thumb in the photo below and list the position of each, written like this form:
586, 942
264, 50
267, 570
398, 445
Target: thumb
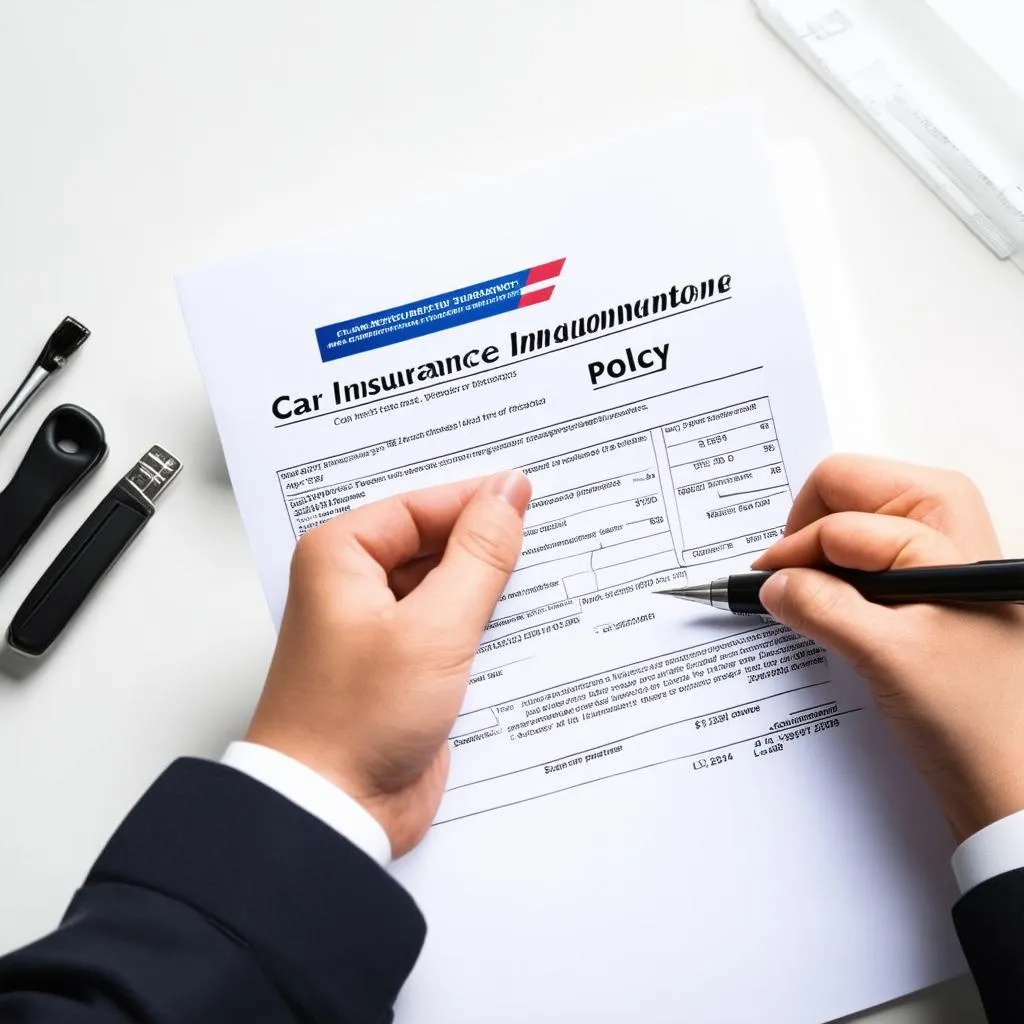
831, 611
828, 611
480, 555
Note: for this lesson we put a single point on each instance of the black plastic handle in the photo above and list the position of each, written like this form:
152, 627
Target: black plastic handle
66, 449
999, 581
85, 560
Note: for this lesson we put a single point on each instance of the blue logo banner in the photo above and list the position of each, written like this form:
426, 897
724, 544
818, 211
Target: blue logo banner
436, 313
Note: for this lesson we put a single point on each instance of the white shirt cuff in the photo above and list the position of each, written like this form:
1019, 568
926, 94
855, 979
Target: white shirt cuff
313, 793
994, 850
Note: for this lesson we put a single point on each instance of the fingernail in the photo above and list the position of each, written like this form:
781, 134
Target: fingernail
513, 488
773, 592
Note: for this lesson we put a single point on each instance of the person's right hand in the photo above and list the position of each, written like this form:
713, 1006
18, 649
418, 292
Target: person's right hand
950, 680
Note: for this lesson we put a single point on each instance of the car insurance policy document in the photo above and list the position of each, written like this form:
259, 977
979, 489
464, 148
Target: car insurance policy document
656, 812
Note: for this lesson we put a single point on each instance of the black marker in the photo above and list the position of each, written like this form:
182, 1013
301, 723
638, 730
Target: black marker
89, 555
975, 583
67, 339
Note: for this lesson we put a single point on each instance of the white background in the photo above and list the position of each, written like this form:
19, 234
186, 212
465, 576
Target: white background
143, 139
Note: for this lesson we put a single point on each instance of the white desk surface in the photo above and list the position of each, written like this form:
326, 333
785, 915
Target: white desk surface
144, 139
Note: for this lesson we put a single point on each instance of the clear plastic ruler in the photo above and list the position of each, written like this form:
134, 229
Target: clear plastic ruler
928, 95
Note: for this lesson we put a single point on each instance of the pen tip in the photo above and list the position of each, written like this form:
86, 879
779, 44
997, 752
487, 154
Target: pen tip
699, 593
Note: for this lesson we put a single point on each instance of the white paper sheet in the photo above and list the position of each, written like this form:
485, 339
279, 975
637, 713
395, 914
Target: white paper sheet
655, 812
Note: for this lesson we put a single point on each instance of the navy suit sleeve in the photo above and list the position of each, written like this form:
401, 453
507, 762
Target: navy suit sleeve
990, 924
218, 900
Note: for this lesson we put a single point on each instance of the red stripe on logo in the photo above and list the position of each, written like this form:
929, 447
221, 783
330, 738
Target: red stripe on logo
545, 272
532, 298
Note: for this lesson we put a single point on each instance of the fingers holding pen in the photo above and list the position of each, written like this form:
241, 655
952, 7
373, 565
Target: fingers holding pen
862, 540
944, 500
830, 610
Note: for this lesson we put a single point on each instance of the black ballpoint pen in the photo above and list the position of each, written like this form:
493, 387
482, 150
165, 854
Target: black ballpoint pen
976, 582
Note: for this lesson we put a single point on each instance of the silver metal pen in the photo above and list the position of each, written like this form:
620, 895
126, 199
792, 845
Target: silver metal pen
65, 340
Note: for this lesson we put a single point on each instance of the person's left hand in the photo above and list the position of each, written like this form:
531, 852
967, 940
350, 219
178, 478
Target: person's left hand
385, 611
